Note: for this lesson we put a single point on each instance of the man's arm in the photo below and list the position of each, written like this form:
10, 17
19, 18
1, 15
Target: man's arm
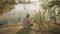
30, 22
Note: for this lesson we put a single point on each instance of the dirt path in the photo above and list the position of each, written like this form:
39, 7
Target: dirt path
39, 29
14, 30
10, 30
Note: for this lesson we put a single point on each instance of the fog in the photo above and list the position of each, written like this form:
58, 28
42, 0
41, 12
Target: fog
20, 11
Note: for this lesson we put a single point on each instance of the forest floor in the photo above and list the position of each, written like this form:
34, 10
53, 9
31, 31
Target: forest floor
10, 29
14, 29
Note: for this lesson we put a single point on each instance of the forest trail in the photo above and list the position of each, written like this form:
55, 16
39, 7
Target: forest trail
10, 29
35, 29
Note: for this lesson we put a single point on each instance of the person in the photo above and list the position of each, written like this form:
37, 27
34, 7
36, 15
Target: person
27, 23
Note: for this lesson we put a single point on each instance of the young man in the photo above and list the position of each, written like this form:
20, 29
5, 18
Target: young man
27, 22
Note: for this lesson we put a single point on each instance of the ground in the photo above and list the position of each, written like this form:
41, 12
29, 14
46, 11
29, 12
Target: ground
15, 29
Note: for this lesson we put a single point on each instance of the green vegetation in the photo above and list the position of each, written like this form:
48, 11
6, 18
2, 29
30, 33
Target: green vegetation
6, 5
12, 25
51, 8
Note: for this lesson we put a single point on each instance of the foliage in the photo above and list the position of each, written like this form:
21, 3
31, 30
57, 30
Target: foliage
38, 18
52, 8
6, 5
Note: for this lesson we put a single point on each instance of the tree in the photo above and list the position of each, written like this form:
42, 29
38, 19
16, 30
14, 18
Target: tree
38, 18
51, 5
6, 5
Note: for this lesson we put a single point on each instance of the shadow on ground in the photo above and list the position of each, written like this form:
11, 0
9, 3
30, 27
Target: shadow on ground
24, 31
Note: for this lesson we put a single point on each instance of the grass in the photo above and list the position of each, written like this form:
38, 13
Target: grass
24, 31
52, 28
13, 24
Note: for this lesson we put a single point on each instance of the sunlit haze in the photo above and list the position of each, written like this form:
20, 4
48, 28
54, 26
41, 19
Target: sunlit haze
22, 9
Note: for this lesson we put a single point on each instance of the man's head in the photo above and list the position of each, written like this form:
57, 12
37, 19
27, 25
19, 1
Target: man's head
27, 15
